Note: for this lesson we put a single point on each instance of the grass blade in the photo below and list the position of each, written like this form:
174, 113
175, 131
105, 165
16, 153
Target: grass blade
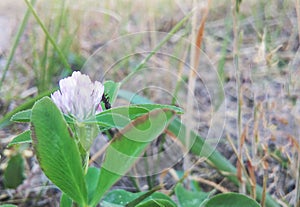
144, 61
15, 44
55, 46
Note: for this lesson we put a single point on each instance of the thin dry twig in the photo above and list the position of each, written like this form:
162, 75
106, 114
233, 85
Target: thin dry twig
195, 52
100, 152
265, 179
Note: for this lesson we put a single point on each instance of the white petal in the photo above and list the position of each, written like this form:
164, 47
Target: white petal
79, 96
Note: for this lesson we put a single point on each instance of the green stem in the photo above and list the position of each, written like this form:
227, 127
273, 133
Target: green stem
60, 53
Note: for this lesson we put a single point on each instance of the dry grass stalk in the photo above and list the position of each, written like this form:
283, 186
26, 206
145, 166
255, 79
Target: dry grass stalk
239, 167
99, 153
196, 39
265, 180
239, 162
239, 95
210, 183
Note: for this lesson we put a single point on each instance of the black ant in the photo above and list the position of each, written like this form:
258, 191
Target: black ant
105, 100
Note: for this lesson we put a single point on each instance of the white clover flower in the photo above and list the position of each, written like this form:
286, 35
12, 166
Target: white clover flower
79, 96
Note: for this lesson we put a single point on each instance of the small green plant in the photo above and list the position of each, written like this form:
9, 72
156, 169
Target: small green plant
64, 127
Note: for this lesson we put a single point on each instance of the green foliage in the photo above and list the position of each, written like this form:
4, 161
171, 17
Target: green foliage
128, 145
156, 203
22, 116
91, 181
65, 201
111, 90
57, 151
14, 173
117, 117
189, 198
125, 198
201, 148
237, 5
231, 200
5, 121
8, 205
22, 138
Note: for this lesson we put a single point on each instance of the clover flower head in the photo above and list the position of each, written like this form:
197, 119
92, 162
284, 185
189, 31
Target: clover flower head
79, 96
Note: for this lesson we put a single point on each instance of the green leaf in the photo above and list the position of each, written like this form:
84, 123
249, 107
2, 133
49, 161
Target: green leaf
90, 178
237, 5
125, 198
22, 116
119, 117
156, 203
231, 200
8, 205
111, 89
119, 197
57, 151
22, 138
189, 198
65, 201
127, 146
14, 173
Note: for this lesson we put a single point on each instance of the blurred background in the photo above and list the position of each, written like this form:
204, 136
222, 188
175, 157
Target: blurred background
249, 63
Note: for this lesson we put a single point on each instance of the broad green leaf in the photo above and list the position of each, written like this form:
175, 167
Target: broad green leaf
57, 151
189, 198
111, 89
65, 201
22, 138
8, 205
127, 146
215, 158
107, 204
119, 117
22, 116
14, 173
157, 196
156, 203
122, 198
231, 200
119, 197
90, 178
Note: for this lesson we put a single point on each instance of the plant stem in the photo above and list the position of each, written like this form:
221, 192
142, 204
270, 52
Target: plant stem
60, 53
242, 186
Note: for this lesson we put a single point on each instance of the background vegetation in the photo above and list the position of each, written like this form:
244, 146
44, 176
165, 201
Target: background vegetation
253, 47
